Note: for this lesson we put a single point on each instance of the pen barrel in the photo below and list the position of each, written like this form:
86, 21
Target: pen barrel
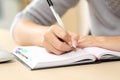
57, 17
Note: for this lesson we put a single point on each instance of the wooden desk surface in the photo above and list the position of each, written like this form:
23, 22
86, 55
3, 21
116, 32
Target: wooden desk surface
14, 70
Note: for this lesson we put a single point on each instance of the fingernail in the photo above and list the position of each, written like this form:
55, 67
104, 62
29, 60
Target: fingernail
74, 44
70, 43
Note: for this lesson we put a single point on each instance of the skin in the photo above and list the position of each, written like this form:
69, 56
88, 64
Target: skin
57, 40
53, 38
111, 42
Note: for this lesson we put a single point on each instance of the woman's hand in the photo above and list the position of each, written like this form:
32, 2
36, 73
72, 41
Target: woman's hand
58, 40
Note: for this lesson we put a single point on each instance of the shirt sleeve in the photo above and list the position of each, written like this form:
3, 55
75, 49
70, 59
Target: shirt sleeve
39, 11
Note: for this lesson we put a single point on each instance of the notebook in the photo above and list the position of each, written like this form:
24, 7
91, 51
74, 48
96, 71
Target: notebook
37, 57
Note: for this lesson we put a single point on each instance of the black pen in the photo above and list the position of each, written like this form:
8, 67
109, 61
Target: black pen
58, 18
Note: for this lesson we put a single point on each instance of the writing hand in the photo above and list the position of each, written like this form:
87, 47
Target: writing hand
57, 40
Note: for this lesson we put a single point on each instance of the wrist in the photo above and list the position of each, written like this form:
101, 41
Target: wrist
39, 36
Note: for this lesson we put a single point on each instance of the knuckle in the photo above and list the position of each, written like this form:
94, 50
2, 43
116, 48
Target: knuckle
64, 34
53, 27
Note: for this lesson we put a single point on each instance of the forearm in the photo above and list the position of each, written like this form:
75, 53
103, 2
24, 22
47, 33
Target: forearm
27, 32
111, 43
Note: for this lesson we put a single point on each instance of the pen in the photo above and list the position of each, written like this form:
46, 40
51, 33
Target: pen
55, 14
58, 18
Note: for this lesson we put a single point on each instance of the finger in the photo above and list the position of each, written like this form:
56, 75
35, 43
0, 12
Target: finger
50, 38
81, 45
51, 49
58, 44
74, 38
62, 34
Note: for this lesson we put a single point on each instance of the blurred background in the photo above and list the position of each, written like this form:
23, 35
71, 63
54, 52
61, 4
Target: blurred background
76, 19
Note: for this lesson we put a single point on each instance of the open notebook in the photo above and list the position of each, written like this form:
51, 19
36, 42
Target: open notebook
37, 57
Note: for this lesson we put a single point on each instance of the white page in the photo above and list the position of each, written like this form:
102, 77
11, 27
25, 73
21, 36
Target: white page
99, 52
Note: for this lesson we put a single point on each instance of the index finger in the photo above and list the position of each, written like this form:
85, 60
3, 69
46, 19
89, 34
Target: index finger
62, 34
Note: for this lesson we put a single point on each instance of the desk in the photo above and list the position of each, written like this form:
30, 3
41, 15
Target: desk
14, 70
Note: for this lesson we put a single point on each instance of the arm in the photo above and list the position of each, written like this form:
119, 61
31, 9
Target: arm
29, 33
111, 43
33, 28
